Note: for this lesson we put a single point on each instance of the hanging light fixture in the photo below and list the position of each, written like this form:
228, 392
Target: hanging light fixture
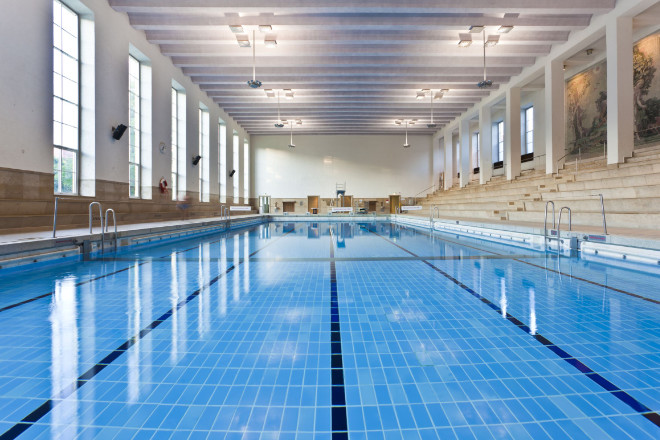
486, 83
432, 124
291, 144
406, 144
279, 123
254, 82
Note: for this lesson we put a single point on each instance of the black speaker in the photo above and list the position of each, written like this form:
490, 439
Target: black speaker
196, 159
231, 174
118, 131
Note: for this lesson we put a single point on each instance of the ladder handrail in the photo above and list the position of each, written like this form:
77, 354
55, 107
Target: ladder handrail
101, 219
602, 210
114, 222
55, 217
545, 219
570, 222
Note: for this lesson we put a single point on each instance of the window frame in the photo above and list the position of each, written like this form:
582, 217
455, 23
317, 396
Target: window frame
528, 135
500, 141
59, 148
138, 131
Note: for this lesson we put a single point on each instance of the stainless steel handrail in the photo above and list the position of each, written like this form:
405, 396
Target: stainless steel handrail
55, 217
570, 222
434, 209
101, 219
570, 225
602, 210
545, 219
114, 222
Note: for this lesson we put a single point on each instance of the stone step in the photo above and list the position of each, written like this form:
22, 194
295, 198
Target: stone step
592, 204
618, 220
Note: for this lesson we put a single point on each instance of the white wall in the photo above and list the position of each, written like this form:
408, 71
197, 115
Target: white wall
371, 165
26, 87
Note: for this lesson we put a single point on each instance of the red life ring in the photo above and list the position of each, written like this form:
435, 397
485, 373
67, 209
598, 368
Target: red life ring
162, 184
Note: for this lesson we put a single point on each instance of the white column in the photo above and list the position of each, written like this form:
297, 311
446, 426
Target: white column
449, 162
464, 145
512, 138
555, 130
485, 145
620, 119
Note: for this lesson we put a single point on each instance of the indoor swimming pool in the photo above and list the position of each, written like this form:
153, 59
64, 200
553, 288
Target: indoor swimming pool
330, 330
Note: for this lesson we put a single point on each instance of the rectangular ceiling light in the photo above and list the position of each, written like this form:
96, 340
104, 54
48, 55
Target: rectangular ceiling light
265, 28
504, 29
476, 29
288, 94
299, 121
420, 95
492, 40
465, 40
270, 93
270, 41
243, 40
236, 28
438, 95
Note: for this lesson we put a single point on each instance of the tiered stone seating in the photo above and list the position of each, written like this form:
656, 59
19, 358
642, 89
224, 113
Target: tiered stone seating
631, 191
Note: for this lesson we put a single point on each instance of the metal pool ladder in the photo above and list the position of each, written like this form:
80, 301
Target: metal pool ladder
114, 222
101, 219
434, 209
545, 219
570, 225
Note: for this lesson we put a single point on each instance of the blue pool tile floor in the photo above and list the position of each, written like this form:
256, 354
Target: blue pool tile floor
341, 330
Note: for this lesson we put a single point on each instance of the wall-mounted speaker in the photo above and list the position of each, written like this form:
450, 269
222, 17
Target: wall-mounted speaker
196, 159
231, 174
118, 131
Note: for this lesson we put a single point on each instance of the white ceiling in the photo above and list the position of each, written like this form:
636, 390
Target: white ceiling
354, 65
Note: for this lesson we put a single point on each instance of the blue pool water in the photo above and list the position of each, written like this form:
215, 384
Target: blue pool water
330, 331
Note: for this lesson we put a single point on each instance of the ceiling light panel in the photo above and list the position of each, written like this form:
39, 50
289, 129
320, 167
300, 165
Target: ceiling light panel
504, 29
236, 28
476, 29
492, 40
270, 41
265, 28
243, 40
465, 40
269, 93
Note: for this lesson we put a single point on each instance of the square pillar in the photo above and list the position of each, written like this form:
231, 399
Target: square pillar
449, 161
464, 145
512, 136
620, 116
485, 145
555, 128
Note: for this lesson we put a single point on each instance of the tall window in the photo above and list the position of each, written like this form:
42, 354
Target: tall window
135, 132
500, 141
66, 102
203, 164
178, 142
529, 129
236, 165
222, 158
475, 149
246, 171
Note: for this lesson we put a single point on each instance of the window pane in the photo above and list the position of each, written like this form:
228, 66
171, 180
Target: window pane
57, 109
70, 114
57, 133
70, 91
57, 13
70, 44
70, 67
67, 183
57, 37
70, 137
57, 61
69, 21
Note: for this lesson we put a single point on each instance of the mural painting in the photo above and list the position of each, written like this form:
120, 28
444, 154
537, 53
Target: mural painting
586, 112
646, 91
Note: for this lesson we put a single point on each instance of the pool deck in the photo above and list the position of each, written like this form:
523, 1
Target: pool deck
30, 241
